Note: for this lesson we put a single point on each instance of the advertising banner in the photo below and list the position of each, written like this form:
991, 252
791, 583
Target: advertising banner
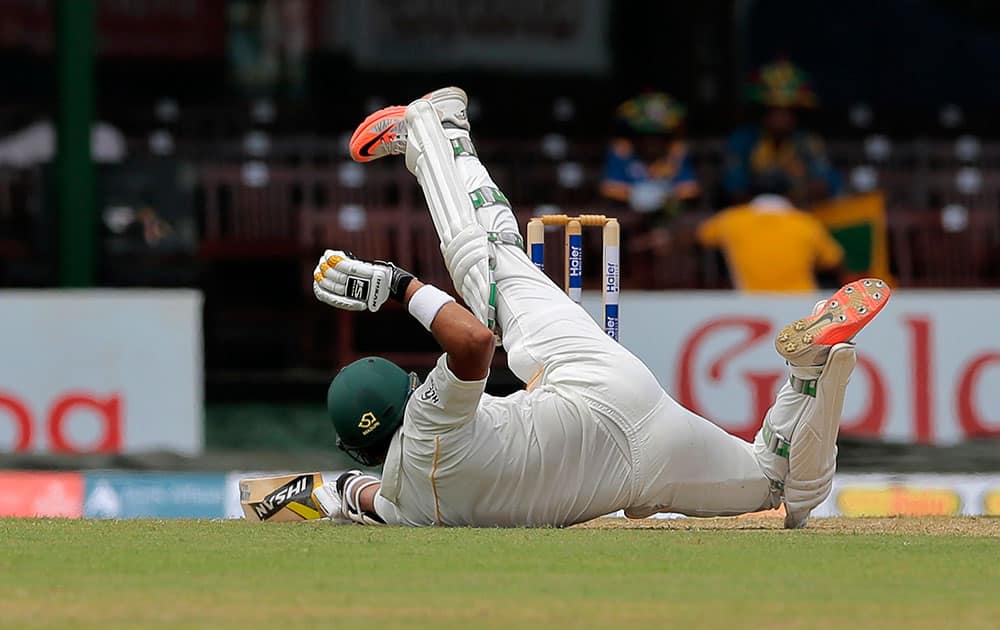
101, 371
928, 367
912, 494
114, 494
564, 35
154, 495
31, 494
917, 494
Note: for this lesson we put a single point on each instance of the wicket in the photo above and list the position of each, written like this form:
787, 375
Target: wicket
573, 278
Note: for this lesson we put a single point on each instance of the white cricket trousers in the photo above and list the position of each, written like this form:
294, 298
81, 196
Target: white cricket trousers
681, 462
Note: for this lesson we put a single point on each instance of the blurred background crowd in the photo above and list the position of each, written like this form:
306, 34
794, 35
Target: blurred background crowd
755, 146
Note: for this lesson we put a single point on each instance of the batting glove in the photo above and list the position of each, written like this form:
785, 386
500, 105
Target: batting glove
350, 486
346, 282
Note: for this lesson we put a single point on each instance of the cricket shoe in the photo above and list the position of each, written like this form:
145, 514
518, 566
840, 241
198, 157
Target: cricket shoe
806, 342
383, 132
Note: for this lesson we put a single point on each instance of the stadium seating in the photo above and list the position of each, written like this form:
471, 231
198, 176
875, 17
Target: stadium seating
931, 250
277, 200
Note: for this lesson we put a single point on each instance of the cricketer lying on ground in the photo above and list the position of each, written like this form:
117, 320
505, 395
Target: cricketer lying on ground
596, 433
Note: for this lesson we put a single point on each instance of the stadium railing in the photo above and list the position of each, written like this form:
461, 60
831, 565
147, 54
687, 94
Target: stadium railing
927, 251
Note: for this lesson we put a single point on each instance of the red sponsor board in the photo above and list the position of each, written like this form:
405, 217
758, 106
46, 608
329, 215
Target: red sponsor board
123, 375
106, 410
31, 494
916, 360
928, 367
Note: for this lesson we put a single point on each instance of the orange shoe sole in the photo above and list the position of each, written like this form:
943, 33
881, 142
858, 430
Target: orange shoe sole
844, 315
377, 129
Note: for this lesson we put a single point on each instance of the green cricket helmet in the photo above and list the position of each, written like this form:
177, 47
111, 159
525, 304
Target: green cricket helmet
366, 401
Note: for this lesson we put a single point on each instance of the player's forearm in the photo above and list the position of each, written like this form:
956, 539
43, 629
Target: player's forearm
468, 343
413, 287
366, 500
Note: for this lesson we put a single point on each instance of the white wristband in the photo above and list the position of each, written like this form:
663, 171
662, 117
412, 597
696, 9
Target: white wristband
426, 302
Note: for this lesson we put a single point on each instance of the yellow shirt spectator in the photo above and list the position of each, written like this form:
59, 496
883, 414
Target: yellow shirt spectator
771, 246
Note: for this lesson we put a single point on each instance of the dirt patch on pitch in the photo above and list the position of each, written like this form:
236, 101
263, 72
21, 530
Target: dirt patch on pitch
933, 525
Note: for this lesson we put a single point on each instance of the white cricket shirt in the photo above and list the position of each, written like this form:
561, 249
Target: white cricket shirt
463, 457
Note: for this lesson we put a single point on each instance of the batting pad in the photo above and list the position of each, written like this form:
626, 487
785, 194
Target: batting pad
812, 459
467, 258
797, 444
464, 243
281, 499
431, 159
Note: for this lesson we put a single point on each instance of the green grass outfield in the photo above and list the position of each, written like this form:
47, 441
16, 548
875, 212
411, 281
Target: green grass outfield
913, 573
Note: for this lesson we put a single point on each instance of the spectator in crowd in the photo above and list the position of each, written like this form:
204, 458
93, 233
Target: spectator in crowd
769, 245
778, 146
648, 168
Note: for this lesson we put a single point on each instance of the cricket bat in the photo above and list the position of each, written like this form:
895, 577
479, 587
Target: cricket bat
281, 499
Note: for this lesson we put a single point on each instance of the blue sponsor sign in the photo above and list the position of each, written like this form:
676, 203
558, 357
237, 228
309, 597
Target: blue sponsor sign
154, 495
538, 255
575, 261
611, 320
